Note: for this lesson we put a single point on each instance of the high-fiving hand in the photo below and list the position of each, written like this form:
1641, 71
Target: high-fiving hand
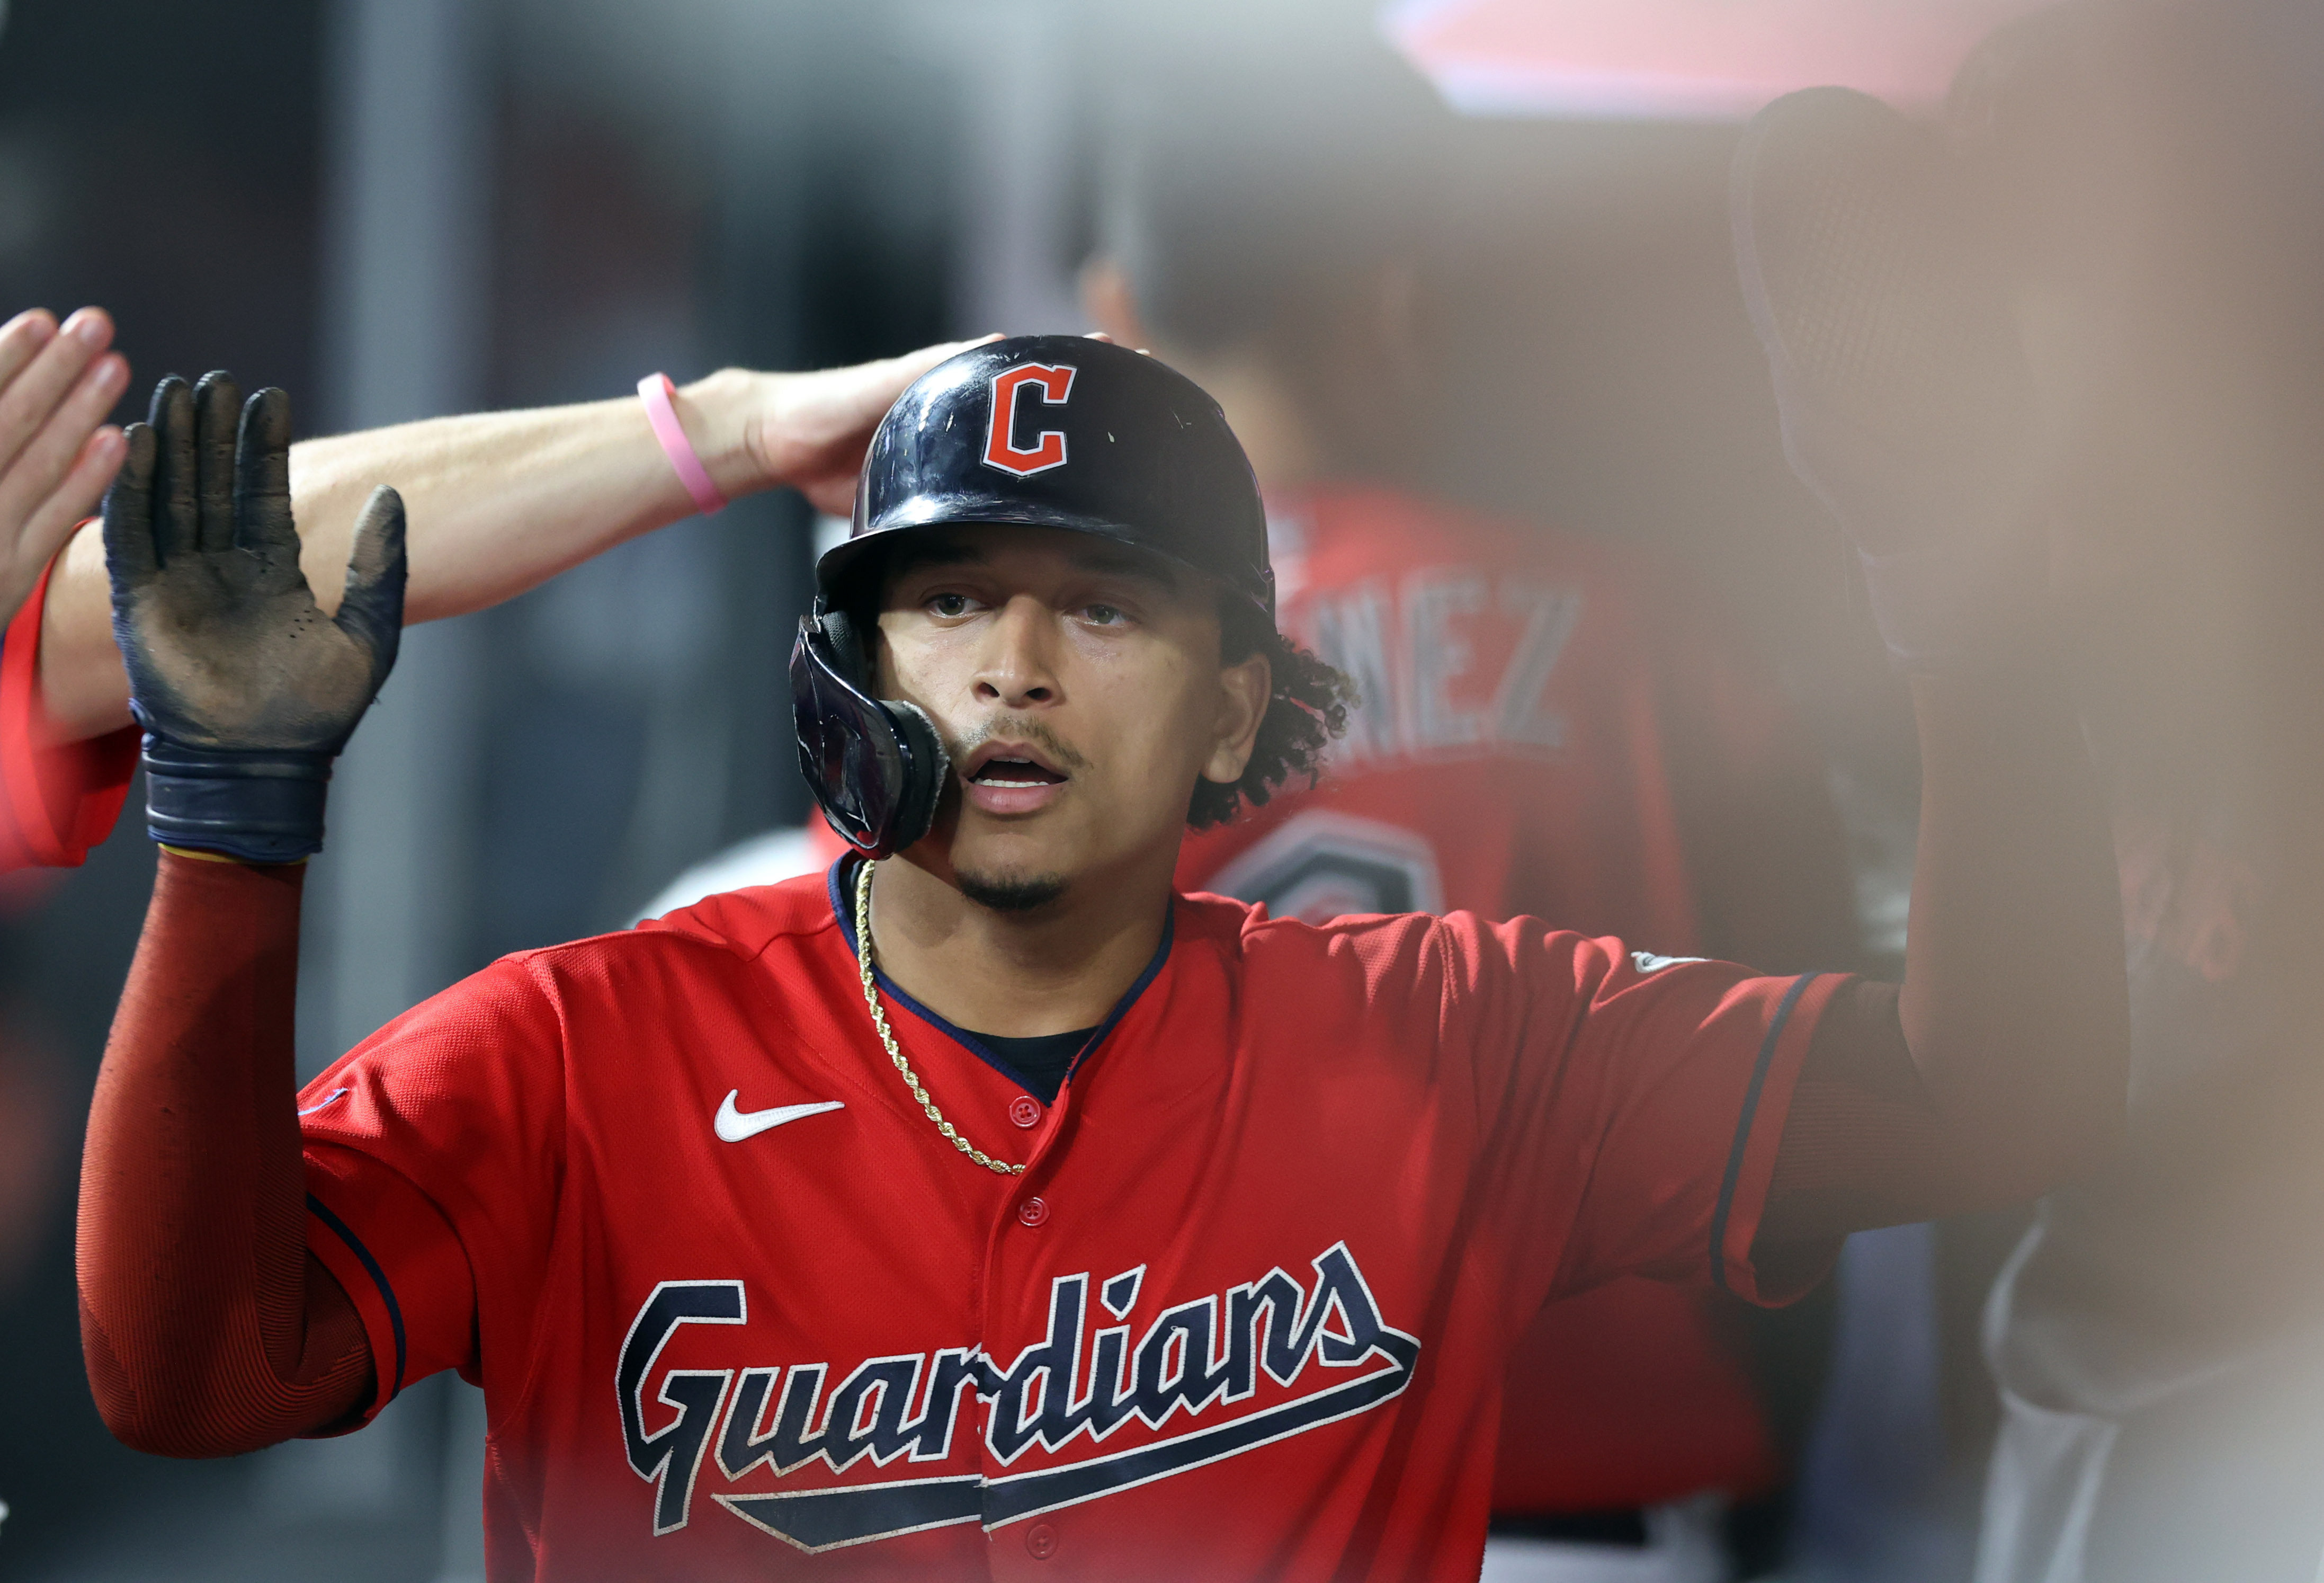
57, 452
809, 430
246, 690
1907, 400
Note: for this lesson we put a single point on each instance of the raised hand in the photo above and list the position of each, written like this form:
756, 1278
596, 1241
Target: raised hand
57, 451
245, 689
810, 429
1905, 399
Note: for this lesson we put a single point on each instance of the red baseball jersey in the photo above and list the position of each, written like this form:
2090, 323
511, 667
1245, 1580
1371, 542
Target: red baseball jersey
738, 1310
57, 799
1557, 726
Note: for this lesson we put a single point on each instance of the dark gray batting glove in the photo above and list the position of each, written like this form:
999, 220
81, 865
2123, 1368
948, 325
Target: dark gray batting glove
245, 689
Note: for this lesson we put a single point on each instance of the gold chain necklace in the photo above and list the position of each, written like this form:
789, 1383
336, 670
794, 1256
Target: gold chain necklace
888, 1040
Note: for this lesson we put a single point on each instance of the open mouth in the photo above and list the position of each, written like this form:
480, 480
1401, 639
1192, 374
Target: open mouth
1010, 778
1015, 773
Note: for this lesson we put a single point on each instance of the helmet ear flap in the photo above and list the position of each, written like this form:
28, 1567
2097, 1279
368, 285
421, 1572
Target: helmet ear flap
928, 768
877, 767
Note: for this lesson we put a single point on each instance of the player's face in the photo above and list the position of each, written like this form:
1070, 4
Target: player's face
1079, 689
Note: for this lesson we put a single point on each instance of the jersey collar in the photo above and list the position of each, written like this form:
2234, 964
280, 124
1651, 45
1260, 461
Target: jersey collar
840, 883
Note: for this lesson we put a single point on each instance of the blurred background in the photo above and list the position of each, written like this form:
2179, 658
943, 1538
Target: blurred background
396, 209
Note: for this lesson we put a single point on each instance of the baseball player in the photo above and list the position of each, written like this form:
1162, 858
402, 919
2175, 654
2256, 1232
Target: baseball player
983, 1208
1552, 727
1549, 725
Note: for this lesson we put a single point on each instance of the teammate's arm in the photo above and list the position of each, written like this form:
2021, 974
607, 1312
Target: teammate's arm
1751, 791
500, 502
1999, 1068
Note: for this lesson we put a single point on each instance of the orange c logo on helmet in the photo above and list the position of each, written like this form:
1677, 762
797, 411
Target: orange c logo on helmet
1048, 447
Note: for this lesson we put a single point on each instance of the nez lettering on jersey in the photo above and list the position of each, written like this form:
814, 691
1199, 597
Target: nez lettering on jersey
1452, 663
1081, 1414
1054, 382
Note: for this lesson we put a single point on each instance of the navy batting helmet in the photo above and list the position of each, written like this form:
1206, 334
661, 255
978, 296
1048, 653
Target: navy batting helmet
1050, 431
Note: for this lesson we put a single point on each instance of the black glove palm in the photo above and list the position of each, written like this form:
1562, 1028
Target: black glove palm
245, 689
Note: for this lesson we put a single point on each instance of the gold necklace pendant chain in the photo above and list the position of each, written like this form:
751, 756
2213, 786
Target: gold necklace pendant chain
888, 1040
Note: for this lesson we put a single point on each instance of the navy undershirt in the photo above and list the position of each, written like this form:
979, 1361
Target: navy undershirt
1040, 1062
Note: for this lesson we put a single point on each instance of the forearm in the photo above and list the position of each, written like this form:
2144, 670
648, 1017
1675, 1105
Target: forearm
206, 1327
496, 503
2014, 1004
1999, 1068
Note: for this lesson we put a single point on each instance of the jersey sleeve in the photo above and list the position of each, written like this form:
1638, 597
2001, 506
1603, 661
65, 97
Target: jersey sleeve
1637, 1103
432, 1152
57, 799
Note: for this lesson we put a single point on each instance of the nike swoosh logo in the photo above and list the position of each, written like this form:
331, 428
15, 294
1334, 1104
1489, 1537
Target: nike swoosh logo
733, 1125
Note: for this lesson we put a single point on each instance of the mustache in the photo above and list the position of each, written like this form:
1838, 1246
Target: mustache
1018, 729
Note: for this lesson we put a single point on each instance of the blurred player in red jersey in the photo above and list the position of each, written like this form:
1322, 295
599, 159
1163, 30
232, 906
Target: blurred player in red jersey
982, 1205
1549, 726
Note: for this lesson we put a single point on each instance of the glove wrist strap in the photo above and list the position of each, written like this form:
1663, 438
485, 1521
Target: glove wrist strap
258, 805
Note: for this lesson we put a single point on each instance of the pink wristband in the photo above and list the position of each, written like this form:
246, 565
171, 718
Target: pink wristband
657, 390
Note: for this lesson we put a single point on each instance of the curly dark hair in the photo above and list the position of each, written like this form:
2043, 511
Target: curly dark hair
1307, 709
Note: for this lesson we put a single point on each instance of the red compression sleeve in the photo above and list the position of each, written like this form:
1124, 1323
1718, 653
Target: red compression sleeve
206, 1327
1863, 1143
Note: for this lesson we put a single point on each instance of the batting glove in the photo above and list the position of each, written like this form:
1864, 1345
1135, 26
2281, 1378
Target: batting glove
245, 689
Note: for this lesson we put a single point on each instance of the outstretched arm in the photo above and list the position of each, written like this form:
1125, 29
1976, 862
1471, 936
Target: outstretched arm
500, 502
206, 1327
2000, 1067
